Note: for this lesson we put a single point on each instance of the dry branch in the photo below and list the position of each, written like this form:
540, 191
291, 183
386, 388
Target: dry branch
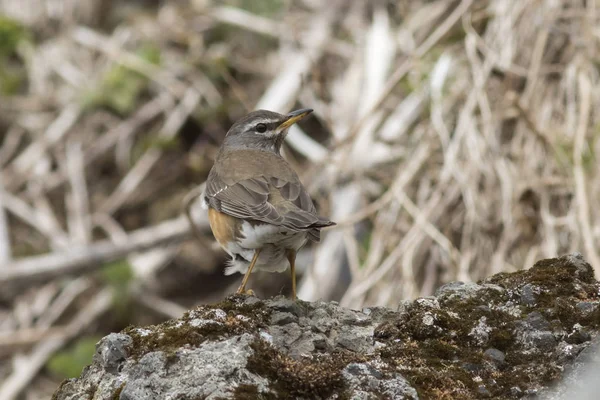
454, 139
27, 367
84, 259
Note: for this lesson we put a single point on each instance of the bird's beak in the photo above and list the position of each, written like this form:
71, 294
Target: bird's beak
292, 118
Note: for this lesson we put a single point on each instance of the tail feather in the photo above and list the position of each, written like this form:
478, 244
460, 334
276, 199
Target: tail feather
314, 234
237, 264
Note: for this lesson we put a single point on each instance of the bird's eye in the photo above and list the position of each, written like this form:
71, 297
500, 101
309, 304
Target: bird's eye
261, 128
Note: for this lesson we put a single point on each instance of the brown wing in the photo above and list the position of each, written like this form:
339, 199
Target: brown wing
247, 199
274, 200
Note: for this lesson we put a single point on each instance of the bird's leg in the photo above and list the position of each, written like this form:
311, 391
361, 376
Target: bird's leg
242, 288
291, 256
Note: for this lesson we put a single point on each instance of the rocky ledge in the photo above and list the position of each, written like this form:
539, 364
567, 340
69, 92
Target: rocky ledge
513, 335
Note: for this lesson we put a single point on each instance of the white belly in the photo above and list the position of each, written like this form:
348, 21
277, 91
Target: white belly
258, 235
273, 242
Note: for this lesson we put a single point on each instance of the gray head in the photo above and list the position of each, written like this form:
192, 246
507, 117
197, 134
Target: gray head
262, 129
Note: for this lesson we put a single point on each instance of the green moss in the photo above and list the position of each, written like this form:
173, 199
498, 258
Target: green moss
118, 275
561, 286
118, 91
442, 359
11, 34
315, 378
161, 142
121, 87
68, 363
435, 348
90, 391
198, 325
117, 394
150, 53
248, 392
556, 275
501, 339
265, 8
12, 79
12, 74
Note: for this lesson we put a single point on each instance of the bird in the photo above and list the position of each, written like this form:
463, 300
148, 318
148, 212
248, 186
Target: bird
258, 210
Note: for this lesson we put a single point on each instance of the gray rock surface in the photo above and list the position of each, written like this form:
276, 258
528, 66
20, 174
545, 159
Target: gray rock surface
581, 379
510, 336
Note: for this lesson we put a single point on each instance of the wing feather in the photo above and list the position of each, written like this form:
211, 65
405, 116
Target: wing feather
274, 200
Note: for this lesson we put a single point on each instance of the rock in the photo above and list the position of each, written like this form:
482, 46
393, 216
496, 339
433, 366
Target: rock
358, 339
581, 378
282, 318
111, 351
516, 392
587, 307
367, 381
283, 304
528, 293
219, 365
578, 336
483, 392
495, 355
510, 336
536, 321
480, 333
538, 340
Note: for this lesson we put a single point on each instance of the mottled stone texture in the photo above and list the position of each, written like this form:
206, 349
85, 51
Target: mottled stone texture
510, 336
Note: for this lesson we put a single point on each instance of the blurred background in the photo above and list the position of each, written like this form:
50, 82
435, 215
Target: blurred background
451, 140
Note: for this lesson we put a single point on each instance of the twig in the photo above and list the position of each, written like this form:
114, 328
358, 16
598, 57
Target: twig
162, 306
82, 259
428, 227
46, 214
66, 297
89, 38
29, 215
432, 207
10, 143
583, 214
27, 367
405, 174
21, 165
9, 341
268, 27
5, 247
285, 86
162, 103
188, 201
246, 20
141, 169
405, 67
77, 201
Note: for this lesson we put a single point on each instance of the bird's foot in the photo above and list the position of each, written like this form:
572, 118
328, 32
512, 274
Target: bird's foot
244, 291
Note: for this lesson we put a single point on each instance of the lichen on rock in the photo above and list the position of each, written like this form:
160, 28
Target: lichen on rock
510, 336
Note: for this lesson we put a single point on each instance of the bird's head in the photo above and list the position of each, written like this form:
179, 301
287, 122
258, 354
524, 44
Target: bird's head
263, 129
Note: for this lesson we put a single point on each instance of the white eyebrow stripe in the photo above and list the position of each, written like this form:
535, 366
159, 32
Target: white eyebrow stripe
255, 122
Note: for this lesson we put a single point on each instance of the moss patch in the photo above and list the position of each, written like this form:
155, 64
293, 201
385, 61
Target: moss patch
121, 87
248, 392
117, 394
557, 277
438, 349
497, 339
316, 378
231, 317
